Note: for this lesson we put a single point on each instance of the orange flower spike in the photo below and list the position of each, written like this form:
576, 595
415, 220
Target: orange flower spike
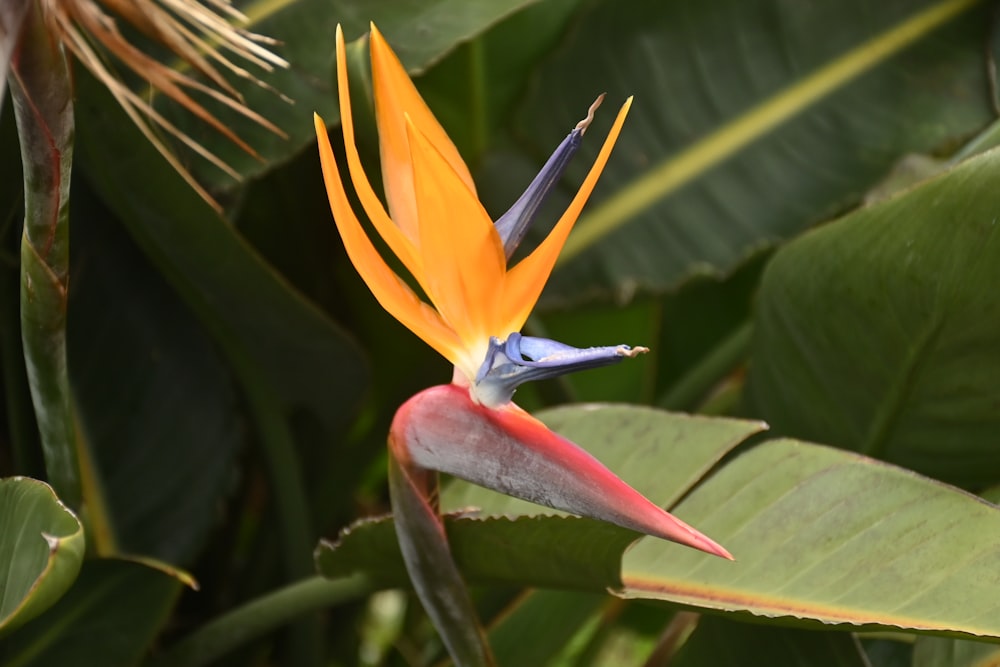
438, 228
457, 239
392, 293
400, 244
395, 98
458, 255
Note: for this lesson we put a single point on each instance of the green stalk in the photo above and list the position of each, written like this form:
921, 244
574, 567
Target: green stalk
43, 109
696, 384
477, 97
259, 617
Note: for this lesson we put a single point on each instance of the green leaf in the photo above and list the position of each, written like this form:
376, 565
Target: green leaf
579, 554
821, 536
877, 332
108, 619
752, 121
421, 32
41, 548
164, 427
719, 642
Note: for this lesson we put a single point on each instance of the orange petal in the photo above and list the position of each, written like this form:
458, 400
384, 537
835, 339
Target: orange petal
391, 292
398, 243
525, 281
396, 96
459, 244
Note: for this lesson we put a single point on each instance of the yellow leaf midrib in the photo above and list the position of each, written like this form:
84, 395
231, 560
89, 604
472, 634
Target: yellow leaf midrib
677, 170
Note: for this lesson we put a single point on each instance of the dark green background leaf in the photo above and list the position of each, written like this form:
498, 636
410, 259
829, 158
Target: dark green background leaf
165, 429
745, 128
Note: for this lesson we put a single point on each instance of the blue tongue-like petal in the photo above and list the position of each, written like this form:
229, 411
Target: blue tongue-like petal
521, 359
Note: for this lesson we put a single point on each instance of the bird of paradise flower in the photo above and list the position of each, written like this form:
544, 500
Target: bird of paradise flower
438, 229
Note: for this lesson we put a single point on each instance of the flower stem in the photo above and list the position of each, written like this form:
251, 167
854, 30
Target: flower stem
261, 616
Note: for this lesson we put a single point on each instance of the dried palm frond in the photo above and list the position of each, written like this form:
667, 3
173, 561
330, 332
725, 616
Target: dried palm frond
201, 33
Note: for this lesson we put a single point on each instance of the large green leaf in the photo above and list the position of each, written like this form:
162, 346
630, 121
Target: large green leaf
108, 619
825, 535
157, 405
41, 548
752, 121
421, 33
878, 332
821, 536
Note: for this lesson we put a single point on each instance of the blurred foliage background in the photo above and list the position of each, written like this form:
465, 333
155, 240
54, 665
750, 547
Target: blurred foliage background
799, 220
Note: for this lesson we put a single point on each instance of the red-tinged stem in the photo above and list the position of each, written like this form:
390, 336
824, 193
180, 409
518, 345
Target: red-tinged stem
429, 562
43, 109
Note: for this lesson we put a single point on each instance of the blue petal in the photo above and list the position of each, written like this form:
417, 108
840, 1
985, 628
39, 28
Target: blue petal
513, 225
521, 359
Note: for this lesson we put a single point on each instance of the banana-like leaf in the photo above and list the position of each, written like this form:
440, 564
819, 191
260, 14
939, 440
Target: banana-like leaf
41, 549
821, 536
752, 121
878, 332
